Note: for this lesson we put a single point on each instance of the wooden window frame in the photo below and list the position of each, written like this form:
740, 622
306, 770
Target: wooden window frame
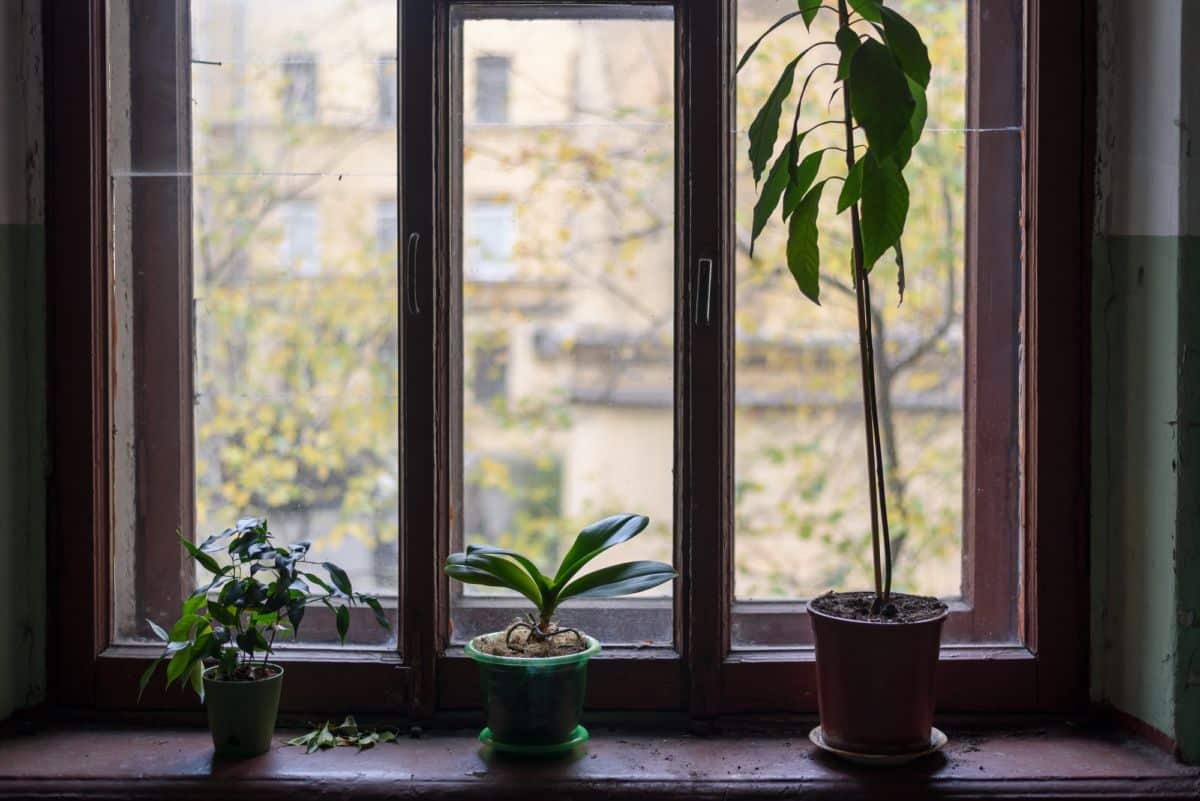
700, 677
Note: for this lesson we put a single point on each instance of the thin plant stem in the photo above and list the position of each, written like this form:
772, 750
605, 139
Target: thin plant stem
864, 341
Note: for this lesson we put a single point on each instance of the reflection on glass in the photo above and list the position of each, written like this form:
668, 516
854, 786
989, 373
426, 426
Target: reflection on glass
294, 263
801, 516
566, 246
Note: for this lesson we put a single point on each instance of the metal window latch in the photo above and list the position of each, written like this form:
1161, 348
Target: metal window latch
703, 304
410, 274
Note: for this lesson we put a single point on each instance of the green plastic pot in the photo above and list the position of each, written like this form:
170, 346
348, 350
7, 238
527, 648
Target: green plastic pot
241, 714
533, 706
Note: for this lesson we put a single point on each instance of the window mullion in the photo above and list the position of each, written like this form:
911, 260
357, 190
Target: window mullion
421, 457
705, 323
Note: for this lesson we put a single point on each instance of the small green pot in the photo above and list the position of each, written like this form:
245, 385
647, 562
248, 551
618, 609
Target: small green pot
533, 706
241, 714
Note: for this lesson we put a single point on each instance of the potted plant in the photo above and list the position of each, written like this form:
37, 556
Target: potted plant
533, 673
232, 621
876, 651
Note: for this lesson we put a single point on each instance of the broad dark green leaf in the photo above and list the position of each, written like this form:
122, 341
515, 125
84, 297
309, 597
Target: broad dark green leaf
471, 575
765, 128
508, 573
884, 207
623, 579
851, 187
206, 561
338, 577
196, 678
916, 125
754, 45
848, 43
343, 623
803, 253
880, 98
539, 578
597, 538
869, 9
905, 42
802, 177
772, 190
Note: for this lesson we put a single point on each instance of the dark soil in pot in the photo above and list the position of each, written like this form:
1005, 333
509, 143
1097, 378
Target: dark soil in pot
533, 698
876, 670
242, 711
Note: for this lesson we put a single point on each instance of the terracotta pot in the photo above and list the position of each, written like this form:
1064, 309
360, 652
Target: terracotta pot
875, 682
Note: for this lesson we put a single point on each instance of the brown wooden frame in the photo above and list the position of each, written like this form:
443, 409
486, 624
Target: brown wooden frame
701, 677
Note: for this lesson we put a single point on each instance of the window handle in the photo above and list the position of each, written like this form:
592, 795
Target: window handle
410, 274
704, 292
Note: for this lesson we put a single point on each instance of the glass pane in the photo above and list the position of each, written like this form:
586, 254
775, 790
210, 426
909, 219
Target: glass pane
565, 240
801, 503
289, 167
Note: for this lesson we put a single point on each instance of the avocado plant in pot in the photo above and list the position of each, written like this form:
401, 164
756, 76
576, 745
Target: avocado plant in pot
533, 673
231, 622
876, 651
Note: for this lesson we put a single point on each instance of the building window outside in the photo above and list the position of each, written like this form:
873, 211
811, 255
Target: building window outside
300, 87
386, 88
299, 250
491, 88
386, 226
491, 237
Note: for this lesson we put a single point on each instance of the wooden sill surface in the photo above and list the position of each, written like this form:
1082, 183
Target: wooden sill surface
1056, 761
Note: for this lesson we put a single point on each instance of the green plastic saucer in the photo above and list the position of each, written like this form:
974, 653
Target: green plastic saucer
578, 737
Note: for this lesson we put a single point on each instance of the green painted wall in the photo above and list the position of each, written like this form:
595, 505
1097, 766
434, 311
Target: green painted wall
22, 466
1134, 487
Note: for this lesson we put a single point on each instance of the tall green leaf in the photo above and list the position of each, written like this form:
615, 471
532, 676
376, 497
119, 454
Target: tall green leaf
905, 41
851, 187
754, 45
765, 128
339, 577
803, 253
772, 190
809, 10
343, 623
802, 177
879, 97
848, 43
869, 9
916, 125
884, 207
622, 579
597, 538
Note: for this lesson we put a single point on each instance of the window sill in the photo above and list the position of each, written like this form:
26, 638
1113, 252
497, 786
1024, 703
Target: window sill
1056, 761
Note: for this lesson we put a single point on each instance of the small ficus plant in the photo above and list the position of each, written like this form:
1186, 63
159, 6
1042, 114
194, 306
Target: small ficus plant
882, 71
498, 567
260, 592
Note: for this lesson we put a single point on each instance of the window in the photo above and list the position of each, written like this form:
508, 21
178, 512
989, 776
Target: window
300, 247
387, 227
300, 87
418, 395
491, 88
387, 88
491, 238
